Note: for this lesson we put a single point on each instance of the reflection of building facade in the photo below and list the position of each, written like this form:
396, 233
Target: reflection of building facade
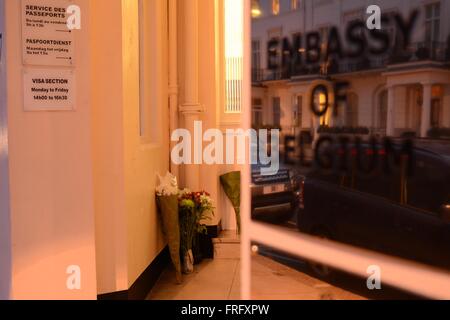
399, 92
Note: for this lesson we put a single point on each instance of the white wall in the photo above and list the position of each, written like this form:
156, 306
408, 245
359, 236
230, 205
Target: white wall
108, 144
366, 88
128, 231
143, 158
51, 181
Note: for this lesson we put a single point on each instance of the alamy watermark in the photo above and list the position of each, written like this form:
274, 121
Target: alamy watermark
74, 17
234, 146
73, 281
374, 20
374, 279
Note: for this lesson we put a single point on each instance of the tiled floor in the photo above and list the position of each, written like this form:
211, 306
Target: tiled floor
212, 280
219, 279
274, 281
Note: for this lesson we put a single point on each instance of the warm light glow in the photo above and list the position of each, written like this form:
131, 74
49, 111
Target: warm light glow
275, 7
437, 91
234, 21
234, 52
256, 9
325, 120
256, 12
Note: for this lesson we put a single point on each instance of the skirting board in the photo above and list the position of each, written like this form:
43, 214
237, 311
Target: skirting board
144, 284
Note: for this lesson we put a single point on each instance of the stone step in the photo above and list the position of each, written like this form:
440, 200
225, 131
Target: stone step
227, 251
227, 245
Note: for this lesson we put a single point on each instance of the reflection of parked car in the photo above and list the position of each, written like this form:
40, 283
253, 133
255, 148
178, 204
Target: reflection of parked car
397, 214
275, 198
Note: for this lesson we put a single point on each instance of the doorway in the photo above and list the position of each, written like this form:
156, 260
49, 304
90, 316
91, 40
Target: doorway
436, 112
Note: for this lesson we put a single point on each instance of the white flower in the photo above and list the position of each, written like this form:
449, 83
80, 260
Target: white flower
206, 201
183, 192
168, 185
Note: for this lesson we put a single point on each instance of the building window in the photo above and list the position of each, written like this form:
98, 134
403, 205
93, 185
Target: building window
436, 108
295, 4
234, 52
324, 33
382, 111
320, 101
256, 55
351, 115
256, 9
275, 7
390, 28
433, 22
274, 54
298, 112
276, 112
351, 17
257, 113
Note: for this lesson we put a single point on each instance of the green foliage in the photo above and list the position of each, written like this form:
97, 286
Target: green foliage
231, 184
194, 207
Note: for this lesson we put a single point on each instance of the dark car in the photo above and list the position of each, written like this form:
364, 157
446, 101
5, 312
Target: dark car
275, 198
400, 213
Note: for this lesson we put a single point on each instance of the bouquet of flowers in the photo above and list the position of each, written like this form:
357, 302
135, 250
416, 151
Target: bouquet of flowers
168, 186
167, 201
194, 208
231, 184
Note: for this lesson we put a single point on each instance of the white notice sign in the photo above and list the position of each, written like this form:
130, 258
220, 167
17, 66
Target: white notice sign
48, 90
46, 40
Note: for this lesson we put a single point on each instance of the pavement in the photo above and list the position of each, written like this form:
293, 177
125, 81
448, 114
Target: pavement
219, 279
274, 281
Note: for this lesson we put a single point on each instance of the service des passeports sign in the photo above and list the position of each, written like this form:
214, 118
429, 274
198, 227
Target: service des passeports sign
46, 40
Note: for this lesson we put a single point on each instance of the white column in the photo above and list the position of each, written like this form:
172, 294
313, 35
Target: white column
425, 122
390, 128
191, 108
